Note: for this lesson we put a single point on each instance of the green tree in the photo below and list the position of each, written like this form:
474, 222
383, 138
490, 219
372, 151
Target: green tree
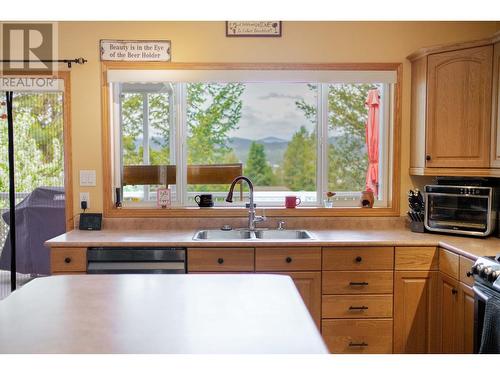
132, 128
257, 168
213, 110
347, 116
32, 167
299, 161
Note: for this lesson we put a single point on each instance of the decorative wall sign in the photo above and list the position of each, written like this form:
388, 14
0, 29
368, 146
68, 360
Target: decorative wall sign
135, 50
163, 198
253, 28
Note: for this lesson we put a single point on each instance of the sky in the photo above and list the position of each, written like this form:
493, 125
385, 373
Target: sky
269, 110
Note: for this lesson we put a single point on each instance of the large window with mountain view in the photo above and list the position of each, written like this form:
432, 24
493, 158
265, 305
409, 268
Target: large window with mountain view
290, 136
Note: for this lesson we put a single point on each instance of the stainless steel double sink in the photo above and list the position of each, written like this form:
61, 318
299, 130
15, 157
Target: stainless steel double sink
251, 235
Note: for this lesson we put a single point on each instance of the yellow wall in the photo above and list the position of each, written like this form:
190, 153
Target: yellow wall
314, 42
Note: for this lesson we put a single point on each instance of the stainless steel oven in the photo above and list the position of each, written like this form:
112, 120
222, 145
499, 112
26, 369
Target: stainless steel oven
469, 210
486, 272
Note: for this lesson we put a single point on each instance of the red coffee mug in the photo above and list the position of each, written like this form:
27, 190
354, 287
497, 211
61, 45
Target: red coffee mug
292, 201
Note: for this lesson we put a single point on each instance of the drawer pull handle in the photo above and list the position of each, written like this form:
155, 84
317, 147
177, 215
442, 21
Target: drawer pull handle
359, 259
355, 283
220, 260
67, 260
454, 291
288, 259
358, 344
358, 307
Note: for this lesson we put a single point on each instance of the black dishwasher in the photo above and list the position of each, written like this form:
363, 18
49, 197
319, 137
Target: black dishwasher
136, 260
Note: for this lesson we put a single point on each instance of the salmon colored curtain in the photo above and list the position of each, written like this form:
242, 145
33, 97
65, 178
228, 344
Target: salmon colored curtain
372, 140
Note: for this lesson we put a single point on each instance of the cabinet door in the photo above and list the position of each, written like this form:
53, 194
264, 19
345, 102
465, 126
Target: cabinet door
459, 108
495, 130
415, 325
447, 314
465, 331
309, 286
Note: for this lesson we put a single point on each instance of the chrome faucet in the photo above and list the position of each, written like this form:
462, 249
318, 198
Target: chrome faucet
252, 218
281, 225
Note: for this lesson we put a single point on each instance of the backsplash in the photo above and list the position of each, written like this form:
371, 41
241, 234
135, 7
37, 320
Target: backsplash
311, 223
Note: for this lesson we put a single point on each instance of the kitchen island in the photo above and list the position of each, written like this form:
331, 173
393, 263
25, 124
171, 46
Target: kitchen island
182, 314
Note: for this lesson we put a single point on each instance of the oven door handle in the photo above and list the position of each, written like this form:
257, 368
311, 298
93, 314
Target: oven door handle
480, 294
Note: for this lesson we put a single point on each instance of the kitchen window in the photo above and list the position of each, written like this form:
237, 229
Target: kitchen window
299, 133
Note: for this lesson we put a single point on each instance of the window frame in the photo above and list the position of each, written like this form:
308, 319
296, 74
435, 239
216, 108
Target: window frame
187, 211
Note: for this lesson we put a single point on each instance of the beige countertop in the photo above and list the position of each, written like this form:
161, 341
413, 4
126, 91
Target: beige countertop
202, 314
467, 246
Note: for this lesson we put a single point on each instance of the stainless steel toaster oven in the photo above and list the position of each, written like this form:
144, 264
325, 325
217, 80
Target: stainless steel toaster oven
469, 210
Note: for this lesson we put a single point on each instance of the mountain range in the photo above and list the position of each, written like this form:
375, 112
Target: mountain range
274, 147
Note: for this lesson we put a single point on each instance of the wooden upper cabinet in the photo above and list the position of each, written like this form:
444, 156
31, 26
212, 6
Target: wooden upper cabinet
495, 102
459, 108
454, 109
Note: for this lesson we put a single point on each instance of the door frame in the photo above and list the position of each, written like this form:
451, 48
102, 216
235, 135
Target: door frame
68, 170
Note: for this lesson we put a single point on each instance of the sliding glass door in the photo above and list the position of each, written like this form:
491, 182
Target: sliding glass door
38, 123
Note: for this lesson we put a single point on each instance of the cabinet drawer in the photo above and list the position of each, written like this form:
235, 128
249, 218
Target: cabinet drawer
448, 263
357, 306
465, 265
358, 336
288, 259
416, 258
357, 282
68, 259
221, 260
358, 258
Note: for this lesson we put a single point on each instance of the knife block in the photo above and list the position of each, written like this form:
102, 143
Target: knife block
417, 226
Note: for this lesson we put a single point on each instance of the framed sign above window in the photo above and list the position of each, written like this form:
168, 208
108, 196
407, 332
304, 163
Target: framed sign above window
253, 28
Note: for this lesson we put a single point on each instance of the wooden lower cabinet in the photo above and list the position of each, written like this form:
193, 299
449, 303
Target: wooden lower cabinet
447, 314
309, 286
357, 306
456, 316
221, 260
465, 326
68, 260
358, 336
415, 303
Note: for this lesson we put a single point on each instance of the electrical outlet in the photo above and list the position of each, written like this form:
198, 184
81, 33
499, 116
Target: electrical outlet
85, 196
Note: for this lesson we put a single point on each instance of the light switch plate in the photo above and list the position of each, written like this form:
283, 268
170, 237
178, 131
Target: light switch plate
87, 177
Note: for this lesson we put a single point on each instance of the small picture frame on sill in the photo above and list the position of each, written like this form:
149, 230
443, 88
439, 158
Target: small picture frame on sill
253, 29
163, 198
